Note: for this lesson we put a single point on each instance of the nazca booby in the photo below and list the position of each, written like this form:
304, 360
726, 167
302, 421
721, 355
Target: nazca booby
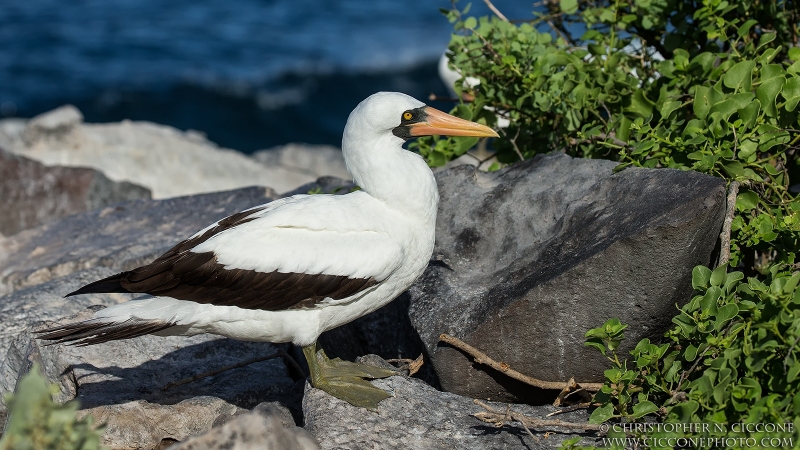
288, 270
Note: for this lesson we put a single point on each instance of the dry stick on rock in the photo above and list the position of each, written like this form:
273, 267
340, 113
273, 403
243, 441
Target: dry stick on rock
570, 409
569, 389
725, 235
499, 418
412, 365
481, 358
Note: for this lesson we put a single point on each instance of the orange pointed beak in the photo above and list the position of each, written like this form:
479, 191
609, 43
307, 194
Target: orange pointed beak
442, 124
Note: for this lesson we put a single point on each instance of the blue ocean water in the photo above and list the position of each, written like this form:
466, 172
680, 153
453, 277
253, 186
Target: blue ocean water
251, 74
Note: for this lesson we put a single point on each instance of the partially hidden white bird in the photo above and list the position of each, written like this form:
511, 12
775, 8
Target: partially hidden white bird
288, 270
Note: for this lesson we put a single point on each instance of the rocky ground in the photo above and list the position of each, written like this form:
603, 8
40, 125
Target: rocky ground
527, 259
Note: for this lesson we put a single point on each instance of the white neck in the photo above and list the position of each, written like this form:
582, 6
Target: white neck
386, 171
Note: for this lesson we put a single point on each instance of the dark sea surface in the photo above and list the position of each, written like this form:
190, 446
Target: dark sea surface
250, 74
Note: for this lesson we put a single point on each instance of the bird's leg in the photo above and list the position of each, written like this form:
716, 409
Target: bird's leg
344, 379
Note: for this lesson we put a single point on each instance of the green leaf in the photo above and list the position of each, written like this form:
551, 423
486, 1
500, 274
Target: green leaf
690, 353
739, 77
462, 111
708, 304
717, 277
700, 277
745, 28
464, 143
684, 412
749, 114
791, 92
642, 409
704, 98
793, 371
597, 345
602, 414
569, 6
726, 313
791, 285
734, 169
794, 53
746, 200
640, 105
766, 38
668, 107
768, 92
437, 159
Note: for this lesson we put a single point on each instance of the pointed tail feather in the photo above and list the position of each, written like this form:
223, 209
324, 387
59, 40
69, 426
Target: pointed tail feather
99, 330
110, 284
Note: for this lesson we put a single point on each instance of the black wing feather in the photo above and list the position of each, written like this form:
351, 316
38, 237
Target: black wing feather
185, 275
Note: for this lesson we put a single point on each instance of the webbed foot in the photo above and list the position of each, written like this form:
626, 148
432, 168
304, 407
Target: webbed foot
346, 380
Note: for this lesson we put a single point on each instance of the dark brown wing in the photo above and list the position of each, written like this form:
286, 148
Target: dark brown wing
184, 275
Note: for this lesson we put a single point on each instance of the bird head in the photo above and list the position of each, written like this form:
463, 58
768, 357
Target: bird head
407, 118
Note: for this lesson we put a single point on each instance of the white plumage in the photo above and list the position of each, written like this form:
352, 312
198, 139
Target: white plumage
293, 268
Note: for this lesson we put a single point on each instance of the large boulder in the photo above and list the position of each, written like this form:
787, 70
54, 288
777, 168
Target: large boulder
33, 193
546, 249
167, 161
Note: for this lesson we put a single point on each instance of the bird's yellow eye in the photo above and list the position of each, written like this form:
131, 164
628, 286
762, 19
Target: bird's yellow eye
407, 115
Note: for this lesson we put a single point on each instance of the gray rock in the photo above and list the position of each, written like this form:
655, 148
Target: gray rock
545, 250
142, 425
313, 160
167, 161
26, 308
266, 428
420, 417
324, 185
119, 237
11, 131
122, 383
59, 121
33, 193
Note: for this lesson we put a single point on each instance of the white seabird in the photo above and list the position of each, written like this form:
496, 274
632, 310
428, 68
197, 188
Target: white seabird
288, 270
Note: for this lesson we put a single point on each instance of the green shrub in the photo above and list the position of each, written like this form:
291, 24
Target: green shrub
730, 358
36, 422
725, 105
708, 85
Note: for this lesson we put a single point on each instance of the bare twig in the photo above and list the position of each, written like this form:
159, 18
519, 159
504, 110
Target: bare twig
559, 32
514, 144
725, 235
495, 11
412, 365
499, 418
685, 375
603, 137
570, 409
569, 389
486, 43
223, 369
482, 358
